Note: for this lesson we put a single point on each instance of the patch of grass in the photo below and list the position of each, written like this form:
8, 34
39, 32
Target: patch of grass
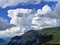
56, 34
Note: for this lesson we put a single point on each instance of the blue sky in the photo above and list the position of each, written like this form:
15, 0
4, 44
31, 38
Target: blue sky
25, 15
3, 11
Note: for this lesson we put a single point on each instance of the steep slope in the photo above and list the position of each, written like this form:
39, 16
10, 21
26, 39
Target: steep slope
29, 38
55, 31
48, 36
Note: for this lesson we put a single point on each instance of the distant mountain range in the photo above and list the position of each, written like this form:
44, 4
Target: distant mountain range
4, 41
1, 40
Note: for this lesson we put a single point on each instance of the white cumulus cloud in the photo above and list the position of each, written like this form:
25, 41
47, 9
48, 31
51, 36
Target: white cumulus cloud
45, 17
27, 19
5, 3
22, 19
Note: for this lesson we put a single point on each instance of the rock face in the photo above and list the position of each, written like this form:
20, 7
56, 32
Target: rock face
29, 38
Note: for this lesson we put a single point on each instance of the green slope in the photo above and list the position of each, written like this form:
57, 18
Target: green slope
55, 31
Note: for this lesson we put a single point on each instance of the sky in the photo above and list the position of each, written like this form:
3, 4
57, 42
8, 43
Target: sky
3, 11
18, 17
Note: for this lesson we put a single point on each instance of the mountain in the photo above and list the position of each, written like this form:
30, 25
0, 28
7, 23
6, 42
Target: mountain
1, 40
55, 31
47, 36
4, 40
30, 38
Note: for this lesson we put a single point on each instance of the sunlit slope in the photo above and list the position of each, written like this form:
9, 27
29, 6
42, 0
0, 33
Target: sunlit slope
55, 31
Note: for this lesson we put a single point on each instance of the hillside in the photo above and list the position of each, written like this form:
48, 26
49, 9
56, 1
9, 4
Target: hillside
47, 36
2, 41
55, 31
5, 40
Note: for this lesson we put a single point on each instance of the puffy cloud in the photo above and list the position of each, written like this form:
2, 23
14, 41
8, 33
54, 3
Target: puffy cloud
5, 3
44, 18
4, 24
57, 9
9, 29
50, 0
6, 28
27, 19
44, 10
21, 18
13, 31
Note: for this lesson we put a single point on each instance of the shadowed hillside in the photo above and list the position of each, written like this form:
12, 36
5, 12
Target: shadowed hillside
47, 36
30, 38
